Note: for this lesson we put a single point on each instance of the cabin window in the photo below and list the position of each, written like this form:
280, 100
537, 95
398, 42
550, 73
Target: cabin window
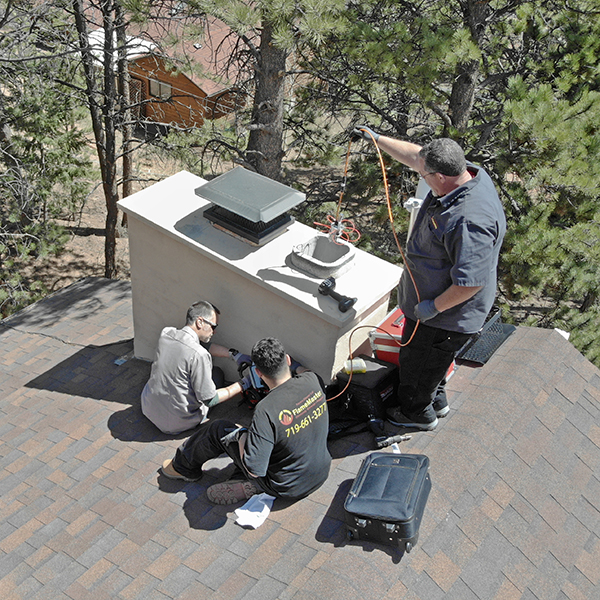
160, 89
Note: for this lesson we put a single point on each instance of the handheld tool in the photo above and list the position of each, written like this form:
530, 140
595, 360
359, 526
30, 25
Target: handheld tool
381, 437
253, 387
383, 442
327, 288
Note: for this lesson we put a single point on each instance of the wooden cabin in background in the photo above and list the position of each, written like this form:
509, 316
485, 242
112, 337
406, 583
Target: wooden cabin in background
163, 94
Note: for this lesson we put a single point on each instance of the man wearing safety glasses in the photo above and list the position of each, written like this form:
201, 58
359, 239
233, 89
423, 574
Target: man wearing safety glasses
183, 385
449, 281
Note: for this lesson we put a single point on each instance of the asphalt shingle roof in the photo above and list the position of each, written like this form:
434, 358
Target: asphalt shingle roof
514, 511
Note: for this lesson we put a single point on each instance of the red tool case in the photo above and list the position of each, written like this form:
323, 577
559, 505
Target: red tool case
385, 339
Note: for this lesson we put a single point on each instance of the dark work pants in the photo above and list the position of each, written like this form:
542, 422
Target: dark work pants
204, 444
423, 365
218, 377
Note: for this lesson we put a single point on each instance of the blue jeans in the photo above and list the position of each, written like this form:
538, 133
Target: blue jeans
423, 365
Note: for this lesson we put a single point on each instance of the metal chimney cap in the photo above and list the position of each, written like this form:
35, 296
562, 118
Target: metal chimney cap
250, 195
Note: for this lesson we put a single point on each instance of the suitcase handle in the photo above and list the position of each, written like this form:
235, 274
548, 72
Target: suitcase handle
398, 321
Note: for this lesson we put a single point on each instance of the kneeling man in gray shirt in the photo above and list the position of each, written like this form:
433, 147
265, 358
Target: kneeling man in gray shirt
181, 388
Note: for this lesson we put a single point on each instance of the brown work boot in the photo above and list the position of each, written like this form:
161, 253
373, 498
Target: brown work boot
231, 492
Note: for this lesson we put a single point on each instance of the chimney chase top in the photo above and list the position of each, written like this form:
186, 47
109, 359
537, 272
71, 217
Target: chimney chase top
250, 195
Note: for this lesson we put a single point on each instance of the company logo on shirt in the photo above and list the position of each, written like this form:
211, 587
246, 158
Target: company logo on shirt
307, 404
286, 417
302, 416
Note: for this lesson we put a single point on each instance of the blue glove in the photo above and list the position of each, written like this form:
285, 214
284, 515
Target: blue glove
362, 132
246, 383
426, 310
239, 357
233, 435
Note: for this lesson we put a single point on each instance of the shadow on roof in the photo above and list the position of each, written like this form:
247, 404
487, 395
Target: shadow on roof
83, 301
94, 372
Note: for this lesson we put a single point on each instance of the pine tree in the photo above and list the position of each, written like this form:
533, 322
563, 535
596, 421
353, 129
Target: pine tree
517, 84
270, 32
45, 170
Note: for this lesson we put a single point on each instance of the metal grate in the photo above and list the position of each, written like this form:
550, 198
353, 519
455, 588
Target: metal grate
481, 347
248, 205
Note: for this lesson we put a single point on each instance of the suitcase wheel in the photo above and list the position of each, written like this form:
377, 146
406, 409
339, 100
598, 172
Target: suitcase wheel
350, 535
408, 547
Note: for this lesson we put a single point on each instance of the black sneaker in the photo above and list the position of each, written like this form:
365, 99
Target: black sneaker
423, 422
440, 405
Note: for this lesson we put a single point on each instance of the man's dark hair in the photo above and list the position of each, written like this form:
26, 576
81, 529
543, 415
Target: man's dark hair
201, 309
443, 156
269, 356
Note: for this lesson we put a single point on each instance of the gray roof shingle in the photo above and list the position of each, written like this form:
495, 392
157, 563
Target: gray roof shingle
514, 510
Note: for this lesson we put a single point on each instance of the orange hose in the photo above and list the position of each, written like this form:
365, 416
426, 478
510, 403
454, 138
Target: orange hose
406, 266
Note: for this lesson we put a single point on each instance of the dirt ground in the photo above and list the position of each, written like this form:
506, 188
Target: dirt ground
84, 253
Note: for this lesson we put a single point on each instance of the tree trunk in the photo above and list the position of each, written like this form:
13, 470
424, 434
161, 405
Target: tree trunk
111, 192
463, 94
125, 105
266, 131
467, 73
101, 102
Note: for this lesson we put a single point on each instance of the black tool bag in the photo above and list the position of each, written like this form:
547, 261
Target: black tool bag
386, 501
369, 393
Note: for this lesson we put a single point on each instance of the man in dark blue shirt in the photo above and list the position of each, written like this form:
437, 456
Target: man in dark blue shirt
452, 255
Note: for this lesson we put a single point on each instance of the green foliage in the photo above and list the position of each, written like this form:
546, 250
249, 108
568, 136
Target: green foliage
583, 326
293, 21
208, 151
407, 69
43, 156
552, 155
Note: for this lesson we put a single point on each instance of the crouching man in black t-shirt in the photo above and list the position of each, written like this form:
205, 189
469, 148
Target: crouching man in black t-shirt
284, 451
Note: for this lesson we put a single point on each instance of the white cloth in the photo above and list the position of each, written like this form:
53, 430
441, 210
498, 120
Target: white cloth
180, 385
255, 512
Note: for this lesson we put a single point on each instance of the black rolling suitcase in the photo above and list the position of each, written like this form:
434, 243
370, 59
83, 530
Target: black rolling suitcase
386, 501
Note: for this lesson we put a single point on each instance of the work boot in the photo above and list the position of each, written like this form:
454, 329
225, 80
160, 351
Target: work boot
426, 421
440, 405
231, 492
440, 402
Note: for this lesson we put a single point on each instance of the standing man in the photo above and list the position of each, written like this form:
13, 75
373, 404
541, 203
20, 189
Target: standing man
452, 255
283, 453
181, 388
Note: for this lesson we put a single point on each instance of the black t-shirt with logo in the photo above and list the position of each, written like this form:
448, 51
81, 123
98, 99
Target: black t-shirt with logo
287, 440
